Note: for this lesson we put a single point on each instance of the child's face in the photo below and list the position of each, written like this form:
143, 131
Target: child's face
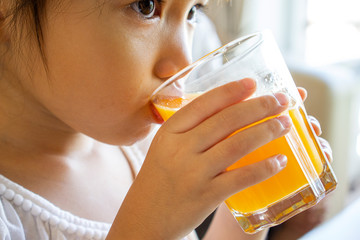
104, 62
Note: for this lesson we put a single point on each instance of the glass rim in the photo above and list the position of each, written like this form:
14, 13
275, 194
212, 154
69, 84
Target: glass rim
213, 54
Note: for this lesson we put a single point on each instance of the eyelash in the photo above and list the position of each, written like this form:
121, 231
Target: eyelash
199, 8
157, 9
154, 13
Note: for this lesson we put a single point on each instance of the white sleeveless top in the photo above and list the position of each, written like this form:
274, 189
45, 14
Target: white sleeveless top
26, 215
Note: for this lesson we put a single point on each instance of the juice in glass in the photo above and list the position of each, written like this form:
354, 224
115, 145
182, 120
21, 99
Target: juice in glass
298, 182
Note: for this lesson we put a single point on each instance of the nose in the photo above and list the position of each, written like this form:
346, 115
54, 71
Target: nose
175, 54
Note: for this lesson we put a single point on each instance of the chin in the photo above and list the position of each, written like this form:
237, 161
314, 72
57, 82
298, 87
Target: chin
129, 138
149, 132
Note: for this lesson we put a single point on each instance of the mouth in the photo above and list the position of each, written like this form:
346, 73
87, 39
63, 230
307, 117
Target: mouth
156, 116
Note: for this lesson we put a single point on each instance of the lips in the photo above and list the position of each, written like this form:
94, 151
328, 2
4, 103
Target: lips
158, 119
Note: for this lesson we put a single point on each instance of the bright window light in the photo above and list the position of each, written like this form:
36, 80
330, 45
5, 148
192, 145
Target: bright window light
333, 31
358, 145
358, 137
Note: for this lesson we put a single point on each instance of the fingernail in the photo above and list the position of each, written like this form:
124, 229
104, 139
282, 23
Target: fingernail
282, 98
285, 121
328, 155
249, 83
315, 122
282, 160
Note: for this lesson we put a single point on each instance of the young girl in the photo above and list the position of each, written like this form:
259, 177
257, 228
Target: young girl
75, 81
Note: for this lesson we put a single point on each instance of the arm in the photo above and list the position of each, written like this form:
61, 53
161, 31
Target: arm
224, 226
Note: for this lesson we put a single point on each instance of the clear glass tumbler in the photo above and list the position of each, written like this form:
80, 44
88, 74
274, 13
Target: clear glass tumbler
308, 176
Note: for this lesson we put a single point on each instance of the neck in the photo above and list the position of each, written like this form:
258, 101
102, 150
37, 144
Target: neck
27, 126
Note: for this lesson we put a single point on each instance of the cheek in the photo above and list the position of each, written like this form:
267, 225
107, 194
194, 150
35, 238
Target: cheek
100, 79
100, 57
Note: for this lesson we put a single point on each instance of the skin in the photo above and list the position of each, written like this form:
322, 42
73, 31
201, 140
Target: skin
103, 64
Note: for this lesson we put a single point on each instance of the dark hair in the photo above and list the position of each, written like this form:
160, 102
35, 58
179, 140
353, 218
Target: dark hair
30, 14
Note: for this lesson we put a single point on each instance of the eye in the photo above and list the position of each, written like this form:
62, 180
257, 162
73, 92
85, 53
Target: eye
192, 15
147, 8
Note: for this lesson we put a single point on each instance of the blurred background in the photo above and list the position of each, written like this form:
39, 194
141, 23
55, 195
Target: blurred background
320, 41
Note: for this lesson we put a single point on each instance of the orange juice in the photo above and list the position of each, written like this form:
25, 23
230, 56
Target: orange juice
289, 180
295, 182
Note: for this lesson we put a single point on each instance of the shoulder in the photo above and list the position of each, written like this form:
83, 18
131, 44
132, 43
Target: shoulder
25, 215
10, 225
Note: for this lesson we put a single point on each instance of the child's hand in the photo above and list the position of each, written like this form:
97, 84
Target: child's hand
300, 224
317, 128
184, 176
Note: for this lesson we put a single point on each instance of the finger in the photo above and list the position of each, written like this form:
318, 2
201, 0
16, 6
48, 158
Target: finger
210, 103
231, 182
228, 151
303, 93
236, 117
315, 125
325, 146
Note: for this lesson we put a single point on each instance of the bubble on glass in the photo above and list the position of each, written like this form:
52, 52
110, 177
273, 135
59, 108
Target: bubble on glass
273, 82
269, 82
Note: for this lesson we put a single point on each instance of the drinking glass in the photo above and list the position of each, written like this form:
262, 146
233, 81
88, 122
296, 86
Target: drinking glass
308, 176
